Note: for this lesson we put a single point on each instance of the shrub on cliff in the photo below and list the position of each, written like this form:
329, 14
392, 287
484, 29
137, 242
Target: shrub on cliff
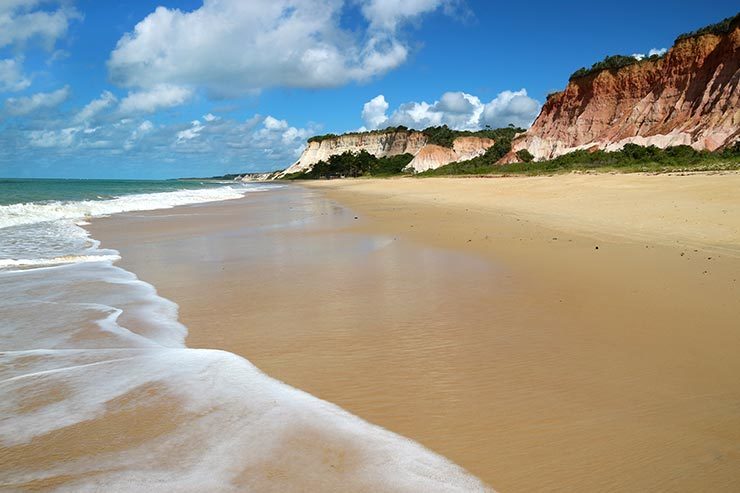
445, 136
320, 138
613, 62
524, 155
442, 136
631, 157
725, 26
354, 164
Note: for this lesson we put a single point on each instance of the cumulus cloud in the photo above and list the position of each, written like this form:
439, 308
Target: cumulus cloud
53, 138
388, 14
94, 107
22, 21
190, 133
234, 47
510, 107
137, 133
42, 100
457, 110
652, 52
158, 97
281, 137
211, 143
11, 76
26, 21
373, 112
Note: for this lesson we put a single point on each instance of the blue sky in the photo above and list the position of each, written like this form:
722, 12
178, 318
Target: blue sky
144, 89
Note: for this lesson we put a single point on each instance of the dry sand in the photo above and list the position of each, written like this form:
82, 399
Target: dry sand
478, 316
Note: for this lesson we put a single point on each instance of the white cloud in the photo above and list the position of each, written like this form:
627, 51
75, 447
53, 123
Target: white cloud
210, 117
279, 138
22, 21
272, 123
388, 14
457, 110
190, 133
42, 100
149, 101
373, 112
137, 133
12, 77
652, 52
235, 47
457, 103
510, 107
210, 147
145, 126
53, 138
94, 107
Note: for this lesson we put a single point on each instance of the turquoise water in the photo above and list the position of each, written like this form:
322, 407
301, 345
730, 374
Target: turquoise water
21, 190
39, 219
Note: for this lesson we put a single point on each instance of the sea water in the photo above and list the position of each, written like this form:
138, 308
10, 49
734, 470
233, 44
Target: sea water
98, 391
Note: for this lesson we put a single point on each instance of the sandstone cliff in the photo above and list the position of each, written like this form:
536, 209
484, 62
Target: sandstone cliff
463, 148
379, 144
383, 144
690, 96
251, 177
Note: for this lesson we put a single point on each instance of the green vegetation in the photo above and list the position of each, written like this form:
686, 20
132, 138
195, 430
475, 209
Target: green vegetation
631, 158
354, 164
442, 136
349, 164
725, 26
524, 156
615, 62
445, 136
319, 138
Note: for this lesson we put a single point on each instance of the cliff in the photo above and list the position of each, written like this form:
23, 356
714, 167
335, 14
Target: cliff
463, 148
689, 96
379, 144
251, 177
384, 144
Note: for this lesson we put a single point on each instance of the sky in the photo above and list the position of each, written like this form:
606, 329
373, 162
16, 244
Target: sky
161, 89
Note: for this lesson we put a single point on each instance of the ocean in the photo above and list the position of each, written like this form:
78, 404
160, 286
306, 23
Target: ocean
99, 392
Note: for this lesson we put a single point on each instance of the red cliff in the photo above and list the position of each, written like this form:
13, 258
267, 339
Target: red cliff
689, 96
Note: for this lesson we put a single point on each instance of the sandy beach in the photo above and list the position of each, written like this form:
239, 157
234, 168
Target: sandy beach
567, 333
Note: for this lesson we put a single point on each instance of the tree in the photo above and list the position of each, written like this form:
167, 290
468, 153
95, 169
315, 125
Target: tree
524, 156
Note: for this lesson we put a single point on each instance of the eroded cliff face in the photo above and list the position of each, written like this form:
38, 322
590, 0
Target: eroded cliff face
463, 148
690, 96
377, 144
426, 156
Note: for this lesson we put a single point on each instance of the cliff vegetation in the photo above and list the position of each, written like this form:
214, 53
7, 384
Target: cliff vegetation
354, 164
725, 26
615, 62
441, 135
631, 158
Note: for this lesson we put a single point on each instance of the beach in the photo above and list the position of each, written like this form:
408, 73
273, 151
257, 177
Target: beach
575, 332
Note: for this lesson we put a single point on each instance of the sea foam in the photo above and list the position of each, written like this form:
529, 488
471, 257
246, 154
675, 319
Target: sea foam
34, 212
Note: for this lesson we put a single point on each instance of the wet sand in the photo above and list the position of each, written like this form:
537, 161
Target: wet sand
479, 318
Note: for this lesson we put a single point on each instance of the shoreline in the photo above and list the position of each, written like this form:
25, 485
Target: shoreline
571, 366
